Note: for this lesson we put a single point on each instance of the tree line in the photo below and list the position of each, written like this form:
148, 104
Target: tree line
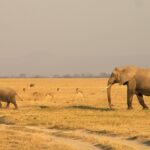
77, 75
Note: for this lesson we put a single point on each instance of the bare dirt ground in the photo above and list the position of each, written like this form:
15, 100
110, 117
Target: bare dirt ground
54, 115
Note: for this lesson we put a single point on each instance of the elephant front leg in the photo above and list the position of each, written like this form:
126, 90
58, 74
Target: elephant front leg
141, 101
129, 100
130, 93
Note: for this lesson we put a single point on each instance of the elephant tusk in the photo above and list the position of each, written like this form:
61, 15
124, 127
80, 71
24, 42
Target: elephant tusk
108, 86
105, 88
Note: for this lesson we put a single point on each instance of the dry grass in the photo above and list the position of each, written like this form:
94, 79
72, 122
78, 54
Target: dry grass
67, 110
12, 140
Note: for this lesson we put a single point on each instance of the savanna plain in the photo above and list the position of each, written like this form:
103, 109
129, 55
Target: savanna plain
72, 114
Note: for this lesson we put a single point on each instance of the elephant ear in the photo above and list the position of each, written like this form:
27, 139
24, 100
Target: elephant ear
127, 74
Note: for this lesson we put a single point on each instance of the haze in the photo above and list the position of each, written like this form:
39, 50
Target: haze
73, 36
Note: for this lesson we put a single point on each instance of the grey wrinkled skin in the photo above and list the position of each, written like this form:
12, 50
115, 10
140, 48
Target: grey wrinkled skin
8, 95
137, 81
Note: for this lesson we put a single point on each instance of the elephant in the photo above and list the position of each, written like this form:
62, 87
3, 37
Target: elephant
137, 81
8, 95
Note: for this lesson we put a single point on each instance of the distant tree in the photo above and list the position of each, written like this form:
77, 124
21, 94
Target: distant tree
104, 75
56, 76
37, 76
22, 75
66, 76
75, 75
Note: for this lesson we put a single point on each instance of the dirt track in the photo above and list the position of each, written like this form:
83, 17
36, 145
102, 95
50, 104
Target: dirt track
76, 144
82, 145
77, 139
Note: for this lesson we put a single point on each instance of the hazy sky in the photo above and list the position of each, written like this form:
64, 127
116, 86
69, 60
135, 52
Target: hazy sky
73, 36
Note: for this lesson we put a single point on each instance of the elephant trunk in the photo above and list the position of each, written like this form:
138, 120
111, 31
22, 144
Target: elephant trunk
109, 95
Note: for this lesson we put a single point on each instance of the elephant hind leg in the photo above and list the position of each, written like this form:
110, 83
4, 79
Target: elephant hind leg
8, 103
15, 104
141, 101
0, 104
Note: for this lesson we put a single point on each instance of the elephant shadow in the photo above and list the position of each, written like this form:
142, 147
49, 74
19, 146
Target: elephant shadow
84, 107
147, 143
6, 120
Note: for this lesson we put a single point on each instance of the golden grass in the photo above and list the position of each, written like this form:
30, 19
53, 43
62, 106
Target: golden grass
11, 140
68, 110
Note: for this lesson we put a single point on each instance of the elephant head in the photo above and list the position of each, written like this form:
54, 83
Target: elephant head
121, 75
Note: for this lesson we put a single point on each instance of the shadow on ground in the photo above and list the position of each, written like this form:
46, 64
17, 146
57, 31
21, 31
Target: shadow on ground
6, 120
83, 107
44, 107
132, 138
147, 143
104, 147
49, 108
